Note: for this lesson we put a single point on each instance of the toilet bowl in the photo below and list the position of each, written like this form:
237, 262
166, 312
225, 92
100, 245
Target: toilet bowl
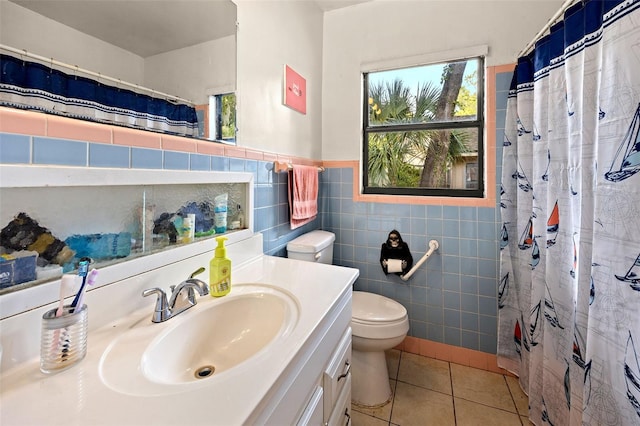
377, 322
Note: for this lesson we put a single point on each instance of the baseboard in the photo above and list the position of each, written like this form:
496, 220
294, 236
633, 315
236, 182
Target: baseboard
450, 353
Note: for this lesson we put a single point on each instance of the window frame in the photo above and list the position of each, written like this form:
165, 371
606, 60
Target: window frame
217, 122
478, 123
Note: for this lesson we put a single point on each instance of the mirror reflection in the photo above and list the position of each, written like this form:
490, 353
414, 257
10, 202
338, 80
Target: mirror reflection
183, 50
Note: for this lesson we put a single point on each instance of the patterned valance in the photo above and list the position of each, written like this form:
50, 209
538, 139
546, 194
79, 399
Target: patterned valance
34, 86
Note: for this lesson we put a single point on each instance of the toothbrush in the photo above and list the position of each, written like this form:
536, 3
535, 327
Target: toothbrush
66, 284
91, 280
83, 269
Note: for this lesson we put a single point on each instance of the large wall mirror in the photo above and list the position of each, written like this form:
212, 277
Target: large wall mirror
184, 48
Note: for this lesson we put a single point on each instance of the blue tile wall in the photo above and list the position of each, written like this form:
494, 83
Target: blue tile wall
200, 162
102, 155
271, 199
176, 160
144, 158
15, 149
60, 152
452, 298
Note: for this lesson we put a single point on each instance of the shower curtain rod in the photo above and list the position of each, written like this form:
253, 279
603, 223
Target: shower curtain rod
566, 5
99, 76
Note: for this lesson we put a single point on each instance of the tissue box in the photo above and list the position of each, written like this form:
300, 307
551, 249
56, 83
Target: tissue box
17, 267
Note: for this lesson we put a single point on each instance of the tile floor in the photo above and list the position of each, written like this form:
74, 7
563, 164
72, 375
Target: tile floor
428, 392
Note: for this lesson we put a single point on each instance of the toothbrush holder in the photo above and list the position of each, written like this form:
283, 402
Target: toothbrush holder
63, 341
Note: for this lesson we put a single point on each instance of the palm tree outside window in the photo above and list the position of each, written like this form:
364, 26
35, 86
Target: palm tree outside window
423, 130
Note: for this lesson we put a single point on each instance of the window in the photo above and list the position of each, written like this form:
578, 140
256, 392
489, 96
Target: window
225, 117
423, 130
217, 121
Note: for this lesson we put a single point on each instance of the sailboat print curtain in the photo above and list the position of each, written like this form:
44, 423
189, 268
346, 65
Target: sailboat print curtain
569, 294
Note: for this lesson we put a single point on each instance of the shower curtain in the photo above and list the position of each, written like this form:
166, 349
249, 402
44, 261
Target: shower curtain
569, 290
34, 86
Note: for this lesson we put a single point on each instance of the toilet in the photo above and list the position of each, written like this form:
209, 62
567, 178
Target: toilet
377, 323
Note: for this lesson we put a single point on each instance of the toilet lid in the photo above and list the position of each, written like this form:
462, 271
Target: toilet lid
371, 307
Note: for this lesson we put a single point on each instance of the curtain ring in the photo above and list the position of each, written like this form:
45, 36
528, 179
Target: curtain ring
51, 67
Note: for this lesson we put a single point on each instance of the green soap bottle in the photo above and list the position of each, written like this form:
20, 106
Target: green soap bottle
220, 271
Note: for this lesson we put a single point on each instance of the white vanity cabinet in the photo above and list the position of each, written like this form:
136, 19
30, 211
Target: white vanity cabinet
313, 412
330, 401
316, 389
336, 381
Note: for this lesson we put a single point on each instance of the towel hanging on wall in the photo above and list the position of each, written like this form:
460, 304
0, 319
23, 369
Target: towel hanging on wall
395, 257
303, 195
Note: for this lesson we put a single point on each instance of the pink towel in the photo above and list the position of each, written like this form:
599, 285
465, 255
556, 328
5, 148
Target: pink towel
303, 195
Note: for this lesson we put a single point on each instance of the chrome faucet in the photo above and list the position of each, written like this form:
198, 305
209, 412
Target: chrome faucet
182, 297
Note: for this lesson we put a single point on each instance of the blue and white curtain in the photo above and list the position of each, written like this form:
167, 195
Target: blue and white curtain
33, 86
569, 295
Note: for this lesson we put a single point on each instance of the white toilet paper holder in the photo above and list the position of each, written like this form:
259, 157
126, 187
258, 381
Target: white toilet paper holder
433, 246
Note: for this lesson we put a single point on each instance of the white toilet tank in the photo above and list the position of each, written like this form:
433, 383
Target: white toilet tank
314, 246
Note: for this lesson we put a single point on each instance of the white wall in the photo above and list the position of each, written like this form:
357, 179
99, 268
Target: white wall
270, 35
383, 30
190, 73
21, 28
195, 72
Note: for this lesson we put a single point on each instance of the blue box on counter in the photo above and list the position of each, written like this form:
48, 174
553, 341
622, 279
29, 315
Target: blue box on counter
17, 267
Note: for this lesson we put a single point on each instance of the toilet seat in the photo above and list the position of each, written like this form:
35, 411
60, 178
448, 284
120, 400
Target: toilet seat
377, 317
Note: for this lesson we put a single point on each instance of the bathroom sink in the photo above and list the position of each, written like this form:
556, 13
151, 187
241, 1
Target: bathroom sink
216, 339
208, 341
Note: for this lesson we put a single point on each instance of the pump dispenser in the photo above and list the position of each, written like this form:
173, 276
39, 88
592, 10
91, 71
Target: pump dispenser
220, 270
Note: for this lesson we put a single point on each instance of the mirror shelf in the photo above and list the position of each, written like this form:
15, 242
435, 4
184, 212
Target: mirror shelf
113, 216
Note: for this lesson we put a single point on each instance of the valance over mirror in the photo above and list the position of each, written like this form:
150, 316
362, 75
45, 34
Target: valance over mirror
33, 86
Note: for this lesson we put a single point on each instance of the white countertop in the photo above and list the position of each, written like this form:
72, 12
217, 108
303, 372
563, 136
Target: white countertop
79, 396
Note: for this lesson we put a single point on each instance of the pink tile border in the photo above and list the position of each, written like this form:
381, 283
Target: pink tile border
23, 122
454, 354
136, 138
204, 147
176, 143
234, 151
64, 128
254, 155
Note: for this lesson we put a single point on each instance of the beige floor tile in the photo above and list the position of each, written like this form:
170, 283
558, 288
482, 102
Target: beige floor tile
361, 419
383, 412
414, 405
481, 386
525, 421
521, 399
393, 359
425, 372
472, 414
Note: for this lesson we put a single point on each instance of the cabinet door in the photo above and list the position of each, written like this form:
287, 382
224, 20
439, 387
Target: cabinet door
341, 415
337, 372
313, 413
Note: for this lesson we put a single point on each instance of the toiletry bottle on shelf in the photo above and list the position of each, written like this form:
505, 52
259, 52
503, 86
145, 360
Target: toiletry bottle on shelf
220, 270
240, 217
220, 213
188, 228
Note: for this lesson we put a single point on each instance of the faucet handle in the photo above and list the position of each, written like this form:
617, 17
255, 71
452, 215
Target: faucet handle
196, 272
161, 311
